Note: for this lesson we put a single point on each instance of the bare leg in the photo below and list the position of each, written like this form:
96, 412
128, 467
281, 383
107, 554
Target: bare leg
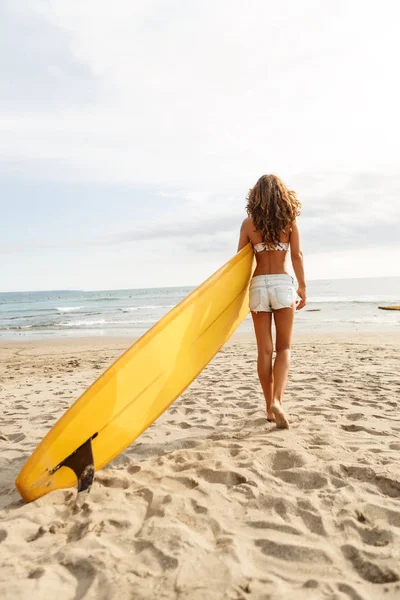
284, 327
262, 327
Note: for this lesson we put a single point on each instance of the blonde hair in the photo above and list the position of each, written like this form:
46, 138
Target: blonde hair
272, 207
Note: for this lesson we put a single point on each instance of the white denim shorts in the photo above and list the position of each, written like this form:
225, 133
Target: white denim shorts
272, 292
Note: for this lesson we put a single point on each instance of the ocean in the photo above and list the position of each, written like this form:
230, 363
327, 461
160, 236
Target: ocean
333, 306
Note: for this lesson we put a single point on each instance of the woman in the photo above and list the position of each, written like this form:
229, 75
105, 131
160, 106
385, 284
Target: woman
272, 229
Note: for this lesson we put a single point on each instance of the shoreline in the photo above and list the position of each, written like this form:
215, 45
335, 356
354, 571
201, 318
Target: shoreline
300, 337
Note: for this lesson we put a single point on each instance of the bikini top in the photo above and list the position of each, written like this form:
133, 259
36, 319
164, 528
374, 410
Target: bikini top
262, 247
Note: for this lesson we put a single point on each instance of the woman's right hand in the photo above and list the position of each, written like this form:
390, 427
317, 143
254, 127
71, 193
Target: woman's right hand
301, 292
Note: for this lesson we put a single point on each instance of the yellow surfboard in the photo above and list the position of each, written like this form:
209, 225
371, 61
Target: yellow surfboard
141, 384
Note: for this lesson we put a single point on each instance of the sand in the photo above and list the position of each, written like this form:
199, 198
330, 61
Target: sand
212, 501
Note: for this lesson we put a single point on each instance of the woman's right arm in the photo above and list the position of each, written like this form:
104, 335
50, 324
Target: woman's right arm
298, 264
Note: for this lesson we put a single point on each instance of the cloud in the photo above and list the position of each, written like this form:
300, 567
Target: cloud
181, 228
194, 101
350, 210
362, 210
39, 72
199, 94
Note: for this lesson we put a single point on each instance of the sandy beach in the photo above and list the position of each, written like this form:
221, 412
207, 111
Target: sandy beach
212, 501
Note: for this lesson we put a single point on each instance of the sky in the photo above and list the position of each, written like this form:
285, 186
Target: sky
131, 132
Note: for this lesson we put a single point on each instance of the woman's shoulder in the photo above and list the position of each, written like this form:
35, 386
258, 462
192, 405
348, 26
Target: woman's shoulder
247, 223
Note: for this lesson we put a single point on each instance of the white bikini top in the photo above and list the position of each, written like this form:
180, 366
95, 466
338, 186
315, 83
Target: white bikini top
262, 247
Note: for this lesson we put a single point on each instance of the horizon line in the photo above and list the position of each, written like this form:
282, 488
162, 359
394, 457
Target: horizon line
173, 286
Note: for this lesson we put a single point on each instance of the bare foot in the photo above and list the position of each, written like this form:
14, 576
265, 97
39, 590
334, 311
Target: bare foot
280, 417
270, 416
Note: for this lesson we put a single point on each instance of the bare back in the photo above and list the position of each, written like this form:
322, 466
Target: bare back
269, 261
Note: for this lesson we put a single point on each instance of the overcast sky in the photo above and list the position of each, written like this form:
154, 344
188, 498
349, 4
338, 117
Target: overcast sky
131, 131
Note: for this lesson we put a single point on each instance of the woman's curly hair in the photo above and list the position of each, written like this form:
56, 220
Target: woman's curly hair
272, 207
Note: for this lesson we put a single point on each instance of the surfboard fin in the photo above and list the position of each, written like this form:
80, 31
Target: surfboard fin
82, 464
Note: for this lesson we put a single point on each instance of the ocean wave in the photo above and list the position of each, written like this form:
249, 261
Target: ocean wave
68, 309
105, 299
360, 321
350, 299
85, 323
28, 311
30, 315
146, 307
104, 323
25, 327
79, 324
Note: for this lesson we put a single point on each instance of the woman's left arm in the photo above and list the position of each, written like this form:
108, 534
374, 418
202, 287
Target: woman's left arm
244, 238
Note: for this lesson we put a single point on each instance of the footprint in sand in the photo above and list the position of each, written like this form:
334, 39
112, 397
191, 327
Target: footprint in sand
287, 459
199, 508
367, 569
376, 537
228, 478
386, 485
355, 416
313, 522
16, 437
281, 527
303, 479
112, 481
288, 552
